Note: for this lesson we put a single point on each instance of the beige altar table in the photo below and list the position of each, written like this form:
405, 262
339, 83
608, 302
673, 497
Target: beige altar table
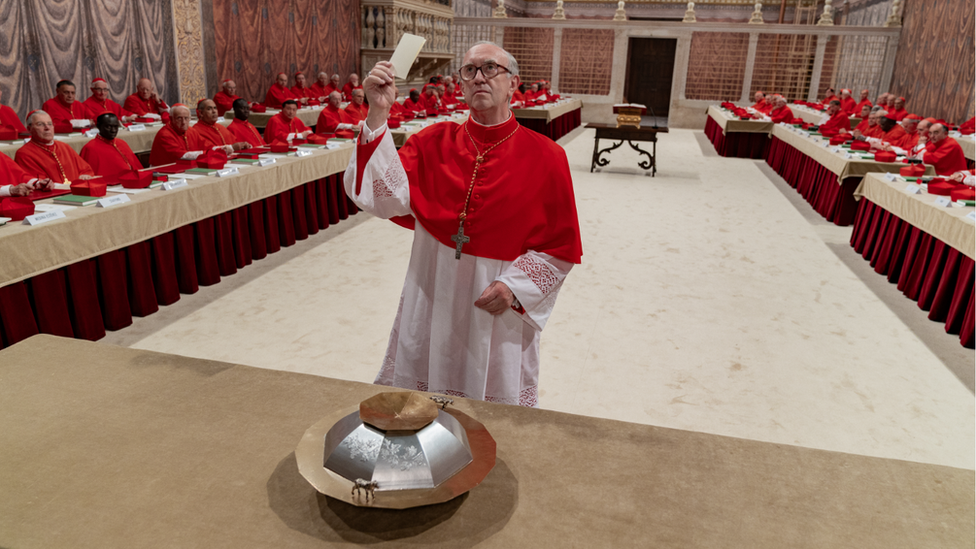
731, 124
103, 446
549, 112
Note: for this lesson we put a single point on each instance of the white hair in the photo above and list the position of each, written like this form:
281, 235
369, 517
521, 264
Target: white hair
882, 112
512, 63
30, 119
325, 74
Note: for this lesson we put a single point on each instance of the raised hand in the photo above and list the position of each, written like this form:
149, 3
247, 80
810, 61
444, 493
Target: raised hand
380, 90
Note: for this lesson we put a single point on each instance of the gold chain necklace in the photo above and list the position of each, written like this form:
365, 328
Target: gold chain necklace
112, 143
459, 239
64, 176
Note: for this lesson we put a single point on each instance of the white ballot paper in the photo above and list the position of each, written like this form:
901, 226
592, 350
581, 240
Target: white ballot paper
406, 53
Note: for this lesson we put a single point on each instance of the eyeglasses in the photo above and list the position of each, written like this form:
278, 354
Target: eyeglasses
490, 70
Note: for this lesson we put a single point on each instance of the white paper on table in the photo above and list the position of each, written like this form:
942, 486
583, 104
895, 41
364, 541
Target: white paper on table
121, 189
406, 53
80, 123
52, 207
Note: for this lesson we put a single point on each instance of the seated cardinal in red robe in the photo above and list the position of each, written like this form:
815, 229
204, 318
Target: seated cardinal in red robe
864, 101
414, 102
14, 181
45, 158
99, 103
63, 108
331, 120
890, 133
278, 93
352, 84
211, 135
106, 154
322, 88
837, 119
780, 113
300, 90
847, 103
943, 152
831, 96
243, 130
966, 128
760, 101
449, 99
9, 119
146, 102
899, 112
285, 126
224, 99
173, 141
357, 110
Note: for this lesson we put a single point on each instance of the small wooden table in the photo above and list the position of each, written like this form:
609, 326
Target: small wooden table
628, 134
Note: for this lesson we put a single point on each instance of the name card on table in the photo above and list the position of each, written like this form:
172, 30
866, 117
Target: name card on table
91, 133
913, 189
890, 176
302, 152
37, 219
266, 162
971, 215
174, 184
943, 202
137, 127
113, 201
331, 146
227, 171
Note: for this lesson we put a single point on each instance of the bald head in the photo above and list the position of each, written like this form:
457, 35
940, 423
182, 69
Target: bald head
335, 98
230, 86
145, 88
937, 133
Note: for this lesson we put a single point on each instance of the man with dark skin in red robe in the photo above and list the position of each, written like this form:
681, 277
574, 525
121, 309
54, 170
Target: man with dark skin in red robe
241, 128
106, 154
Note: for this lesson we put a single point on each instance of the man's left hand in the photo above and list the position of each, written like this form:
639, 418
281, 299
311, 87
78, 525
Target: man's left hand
496, 298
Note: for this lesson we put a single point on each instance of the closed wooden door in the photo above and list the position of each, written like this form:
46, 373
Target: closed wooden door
650, 68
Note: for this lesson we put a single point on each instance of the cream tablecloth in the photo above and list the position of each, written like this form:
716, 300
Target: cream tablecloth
732, 124
550, 112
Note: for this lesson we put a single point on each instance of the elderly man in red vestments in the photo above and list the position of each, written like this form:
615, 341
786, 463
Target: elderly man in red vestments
495, 235
318, 87
917, 140
243, 130
146, 102
831, 96
99, 103
835, 119
862, 126
899, 112
847, 103
278, 93
224, 99
44, 157
106, 154
62, 108
872, 129
300, 90
780, 112
331, 120
210, 134
352, 84
14, 181
9, 119
174, 141
760, 99
864, 101
356, 111
285, 126
942, 152
890, 134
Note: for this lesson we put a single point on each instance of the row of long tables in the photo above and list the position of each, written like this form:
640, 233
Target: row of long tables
553, 120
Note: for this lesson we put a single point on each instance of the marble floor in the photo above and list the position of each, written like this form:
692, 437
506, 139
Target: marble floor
711, 298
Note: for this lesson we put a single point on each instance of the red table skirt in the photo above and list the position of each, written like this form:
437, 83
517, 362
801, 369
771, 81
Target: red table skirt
927, 270
736, 144
86, 298
815, 183
559, 126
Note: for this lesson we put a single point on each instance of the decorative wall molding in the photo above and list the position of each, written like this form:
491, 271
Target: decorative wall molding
188, 26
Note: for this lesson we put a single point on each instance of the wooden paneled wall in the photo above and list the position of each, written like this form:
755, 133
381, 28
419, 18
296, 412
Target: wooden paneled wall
254, 40
935, 67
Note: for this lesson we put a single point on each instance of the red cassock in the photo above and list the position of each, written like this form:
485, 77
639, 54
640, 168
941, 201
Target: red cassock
279, 127
946, 156
224, 101
210, 135
109, 157
760, 104
898, 114
410, 106
966, 128
347, 91
449, 100
849, 106
432, 103
396, 109
872, 131
56, 161
140, 106
862, 126
277, 94
355, 113
518, 96
828, 99
9, 119
896, 136
93, 108
911, 141
329, 120
11, 173
245, 131
859, 106
170, 145
526, 168
62, 113
782, 114
838, 122
304, 92
330, 87
318, 90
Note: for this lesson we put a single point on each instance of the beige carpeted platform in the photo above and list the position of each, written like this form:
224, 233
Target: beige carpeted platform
707, 301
